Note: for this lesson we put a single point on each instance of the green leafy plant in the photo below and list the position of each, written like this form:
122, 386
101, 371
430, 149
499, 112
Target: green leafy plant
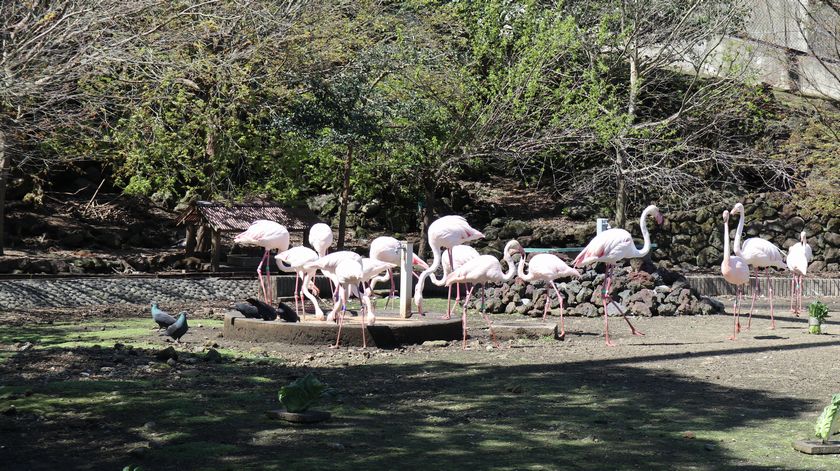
303, 393
819, 311
824, 422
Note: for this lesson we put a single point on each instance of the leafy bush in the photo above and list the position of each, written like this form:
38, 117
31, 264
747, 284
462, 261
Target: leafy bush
823, 427
303, 393
818, 311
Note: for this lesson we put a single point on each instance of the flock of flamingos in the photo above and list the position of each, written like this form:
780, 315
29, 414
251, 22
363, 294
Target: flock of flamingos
461, 264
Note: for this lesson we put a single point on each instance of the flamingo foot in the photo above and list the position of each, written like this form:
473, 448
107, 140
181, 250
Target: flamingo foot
738, 328
637, 333
609, 343
731, 337
773, 325
562, 335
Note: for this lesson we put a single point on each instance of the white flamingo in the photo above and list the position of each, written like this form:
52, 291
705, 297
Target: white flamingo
328, 264
798, 257
548, 267
269, 235
758, 253
482, 270
293, 260
446, 232
611, 246
460, 255
736, 271
387, 249
349, 274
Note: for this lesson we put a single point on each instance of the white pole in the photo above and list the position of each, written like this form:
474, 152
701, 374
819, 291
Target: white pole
406, 279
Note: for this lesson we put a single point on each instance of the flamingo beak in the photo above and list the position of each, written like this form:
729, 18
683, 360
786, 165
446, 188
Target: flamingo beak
659, 218
415, 260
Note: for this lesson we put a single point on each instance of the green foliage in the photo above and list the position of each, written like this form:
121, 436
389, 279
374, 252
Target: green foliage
303, 393
822, 429
818, 310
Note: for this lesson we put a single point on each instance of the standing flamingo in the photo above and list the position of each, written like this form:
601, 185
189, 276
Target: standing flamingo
447, 232
482, 270
387, 249
460, 254
349, 274
609, 247
798, 257
548, 267
293, 260
269, 235
328, 264
758, 253
735, 271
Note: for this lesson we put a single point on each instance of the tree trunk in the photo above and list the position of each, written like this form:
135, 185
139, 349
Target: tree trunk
620, 151
191, 242
620, 190
345, 197
426, 214
5, 164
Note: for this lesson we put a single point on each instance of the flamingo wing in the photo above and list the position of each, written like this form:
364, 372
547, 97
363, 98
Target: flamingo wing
477, 270
759, 252
608, 246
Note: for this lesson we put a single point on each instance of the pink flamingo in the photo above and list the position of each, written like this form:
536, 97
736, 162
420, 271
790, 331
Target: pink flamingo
798, 257
293, 260
349, 274
609, 247
447, 232
482, 270
548, 267
460, 255
269, 235
328, 264
387, 249
320, 238
736, 271
758, 253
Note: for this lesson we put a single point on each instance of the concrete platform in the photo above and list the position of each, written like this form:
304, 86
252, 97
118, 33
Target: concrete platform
389, 331
816, 447
527, 328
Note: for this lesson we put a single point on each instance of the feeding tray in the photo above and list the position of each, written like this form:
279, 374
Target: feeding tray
307, 417
817, 447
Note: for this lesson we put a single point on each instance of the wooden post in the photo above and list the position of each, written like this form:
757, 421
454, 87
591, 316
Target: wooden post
216, 248
406, 279
190, 239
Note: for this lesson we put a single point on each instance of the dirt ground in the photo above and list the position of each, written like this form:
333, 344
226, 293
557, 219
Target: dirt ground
82, 389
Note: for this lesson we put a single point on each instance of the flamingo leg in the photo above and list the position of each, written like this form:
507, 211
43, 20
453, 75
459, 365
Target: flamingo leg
343, 301
268, 286
364, 324
260, 275
801, 280
793, 294
770, 291
295, 293
464, 318
393, 288
604, 298
752, 304
735, 327
448, 304
562, 327
547, 304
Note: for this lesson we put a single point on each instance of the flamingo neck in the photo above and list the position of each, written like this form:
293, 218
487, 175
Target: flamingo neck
726, 242
643, 223
435, 264
520, 272
509, 259
738, 232
429, 271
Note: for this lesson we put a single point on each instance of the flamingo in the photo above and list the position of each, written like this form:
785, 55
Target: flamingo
293, 260
269, 235
387, 249
736, 271
548, 267
609, 247
328, 264
798, 257
320, 238
461, 254
482, 270
758, 253
349, 273
447, 232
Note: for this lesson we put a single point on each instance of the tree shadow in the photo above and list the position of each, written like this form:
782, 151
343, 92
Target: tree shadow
600, 414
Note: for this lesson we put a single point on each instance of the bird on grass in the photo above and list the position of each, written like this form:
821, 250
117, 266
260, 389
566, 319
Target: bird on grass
798, 257
163, 318
548, 267
179, 328
269, 313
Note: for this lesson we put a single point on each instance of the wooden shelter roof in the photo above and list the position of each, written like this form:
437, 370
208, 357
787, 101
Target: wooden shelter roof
237, 217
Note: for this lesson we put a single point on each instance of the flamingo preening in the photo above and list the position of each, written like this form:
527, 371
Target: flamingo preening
446, 232
349, 273
269, 235
320, 238
736, 271
387, 249
328, 264
482, 270
758, 253
293, 260
548, 267
460, 254
798, 257
609, 247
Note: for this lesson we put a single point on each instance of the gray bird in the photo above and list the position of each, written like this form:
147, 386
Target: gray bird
163, 318
179, 328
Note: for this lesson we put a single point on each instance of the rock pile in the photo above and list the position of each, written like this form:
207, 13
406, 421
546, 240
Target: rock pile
647, 292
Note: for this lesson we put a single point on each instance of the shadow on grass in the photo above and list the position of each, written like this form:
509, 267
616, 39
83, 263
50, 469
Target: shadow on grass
596, 415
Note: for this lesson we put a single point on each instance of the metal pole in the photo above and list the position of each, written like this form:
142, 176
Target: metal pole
406, 279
